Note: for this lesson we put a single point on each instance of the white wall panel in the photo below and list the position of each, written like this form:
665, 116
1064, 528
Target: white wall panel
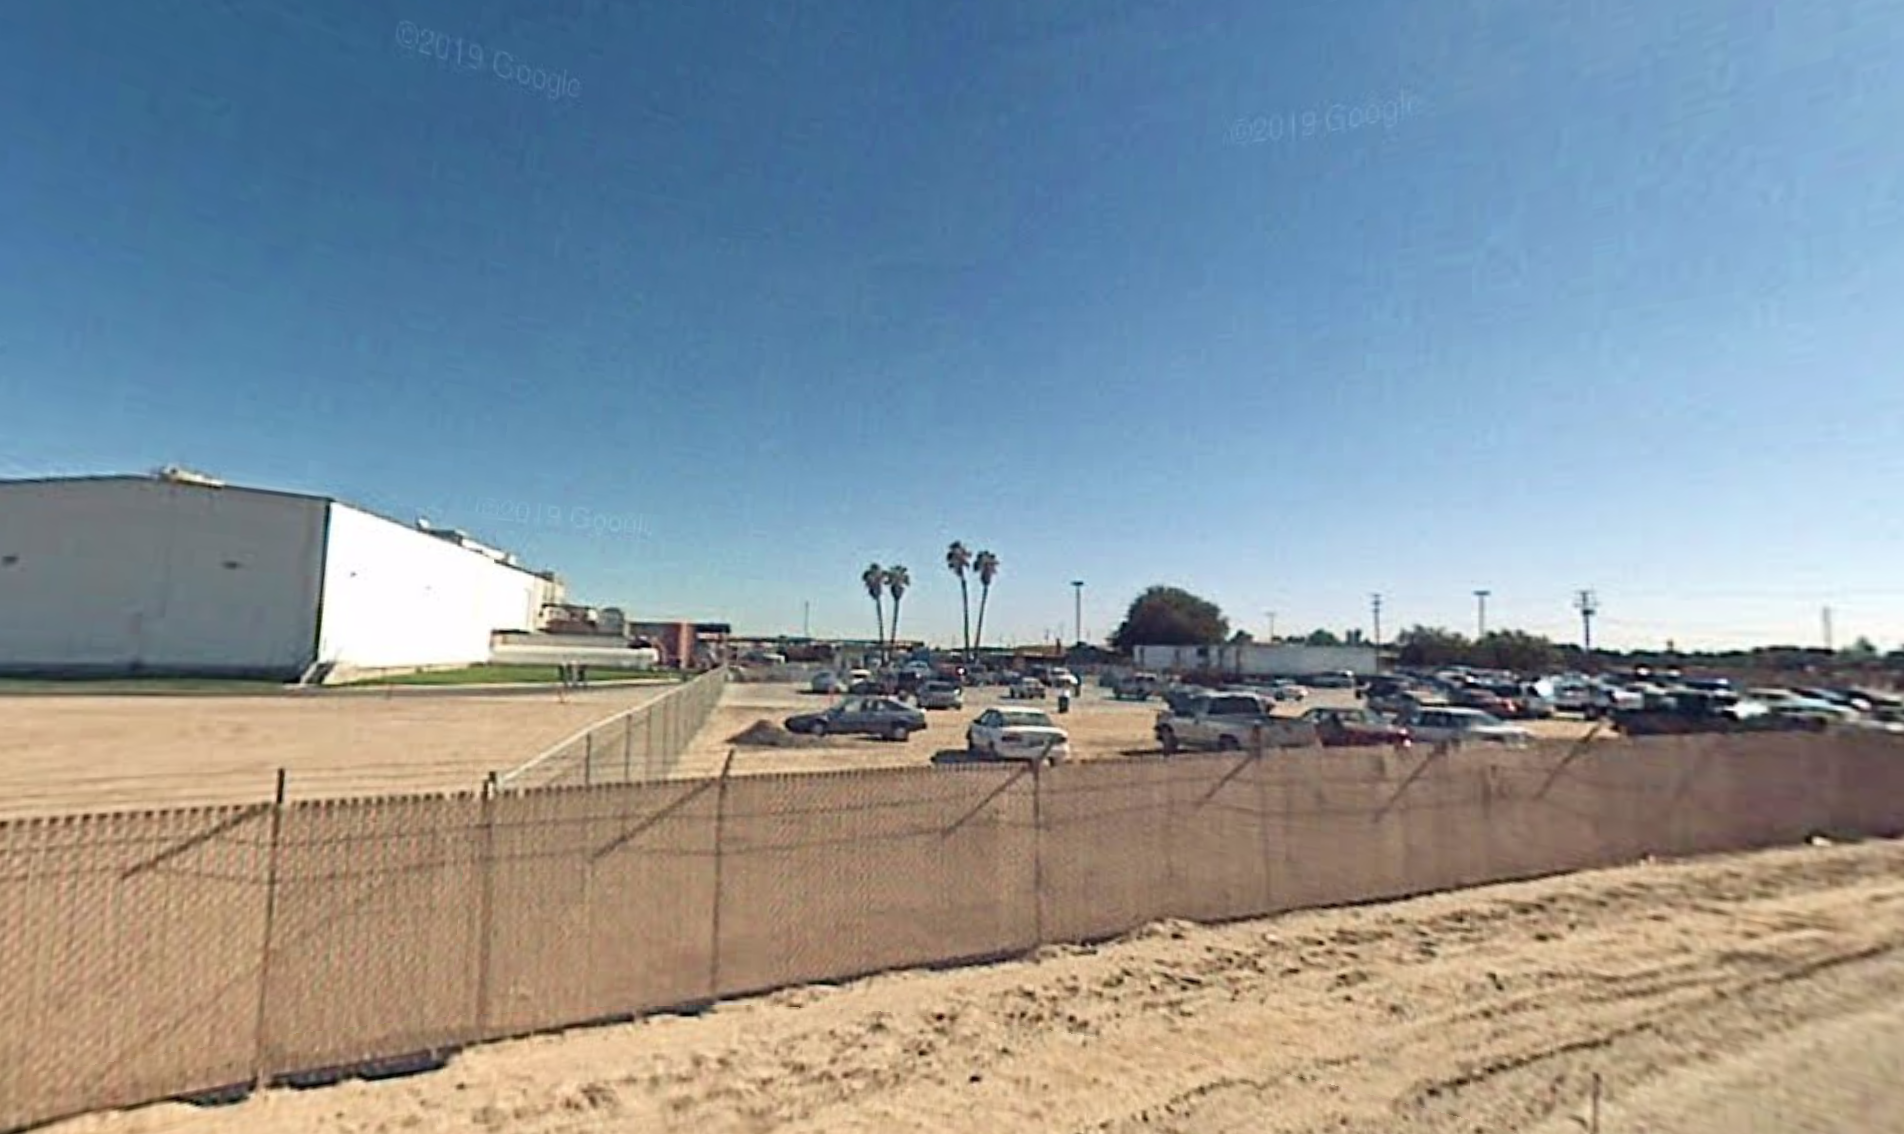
394, 596
132, 574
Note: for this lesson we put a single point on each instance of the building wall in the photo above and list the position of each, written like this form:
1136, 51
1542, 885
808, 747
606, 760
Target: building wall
134, 575
395, 597
1258, 659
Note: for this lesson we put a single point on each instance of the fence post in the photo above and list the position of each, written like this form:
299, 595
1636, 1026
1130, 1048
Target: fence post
486, 908
648, 755
720, 855
259, 1071
628, 747
588, 758
1038, 854
1268, 836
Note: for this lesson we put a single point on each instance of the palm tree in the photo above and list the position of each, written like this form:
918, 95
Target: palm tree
875, 579
897, 580
957, 560
986, 564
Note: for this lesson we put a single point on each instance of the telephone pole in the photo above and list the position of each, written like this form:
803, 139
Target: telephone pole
1375, 608
1077, 608
1480, 613
1588, 604
1827, 620
1272, 624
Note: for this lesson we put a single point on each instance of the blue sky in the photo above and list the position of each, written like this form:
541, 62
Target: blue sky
774, 289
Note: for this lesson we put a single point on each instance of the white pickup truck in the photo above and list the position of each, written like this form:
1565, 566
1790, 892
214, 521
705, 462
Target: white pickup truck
1230, 722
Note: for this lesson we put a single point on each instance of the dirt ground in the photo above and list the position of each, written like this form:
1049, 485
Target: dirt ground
1100, 727
1707, 995
65, 753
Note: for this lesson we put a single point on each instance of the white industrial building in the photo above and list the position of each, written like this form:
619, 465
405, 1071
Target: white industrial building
177, 573
1258, 659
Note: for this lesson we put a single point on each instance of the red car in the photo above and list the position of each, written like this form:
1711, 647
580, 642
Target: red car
1354, 728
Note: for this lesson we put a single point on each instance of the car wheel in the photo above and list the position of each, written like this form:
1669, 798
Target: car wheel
1167, 738
896, 732
817, 728
1228, 743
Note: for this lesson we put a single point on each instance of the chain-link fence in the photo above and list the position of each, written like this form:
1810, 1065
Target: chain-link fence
159, 954
636, 745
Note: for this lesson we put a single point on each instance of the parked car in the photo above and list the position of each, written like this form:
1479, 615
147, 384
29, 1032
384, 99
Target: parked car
941, 695
1399, 699
1288, 691
1059, 677
1005, 733
826, 681
1349, 728
868, 716
867, 687
1228, 722
1335, 679
1482, 698
1138, 687
1791, 704
1464, 726
1026, 689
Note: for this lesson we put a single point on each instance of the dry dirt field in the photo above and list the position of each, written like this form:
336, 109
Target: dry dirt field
1740, 993
1100, 727
65, 753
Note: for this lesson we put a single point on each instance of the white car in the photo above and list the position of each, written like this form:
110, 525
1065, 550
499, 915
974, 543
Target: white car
1017, 734
826, 681
1287, 691
1787, 703
1465, 726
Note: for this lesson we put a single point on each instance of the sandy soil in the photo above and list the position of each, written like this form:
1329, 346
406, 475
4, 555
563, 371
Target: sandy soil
1684, 986
83, 753
1101, 727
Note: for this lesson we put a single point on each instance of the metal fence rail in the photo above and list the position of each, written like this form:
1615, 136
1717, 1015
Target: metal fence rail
157, 954
633, 746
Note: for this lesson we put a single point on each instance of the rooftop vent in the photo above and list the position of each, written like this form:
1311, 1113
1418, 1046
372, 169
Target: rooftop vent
173, 474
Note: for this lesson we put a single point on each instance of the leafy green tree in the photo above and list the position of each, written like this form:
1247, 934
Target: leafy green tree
1516, 650
1170, 616
1431, 646
1321, 638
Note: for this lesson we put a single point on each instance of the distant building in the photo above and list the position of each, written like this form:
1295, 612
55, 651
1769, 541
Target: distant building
179, 573
1258, 659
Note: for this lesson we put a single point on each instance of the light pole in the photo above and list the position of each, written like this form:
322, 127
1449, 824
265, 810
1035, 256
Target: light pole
1272, 625
1077, 608
1480, 613
1375, 602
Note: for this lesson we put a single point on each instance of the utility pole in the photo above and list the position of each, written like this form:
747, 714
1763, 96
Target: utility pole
1272, 624
1375, 604
1588, 604
806, 619
1480, 613
1077, 608
1827, 621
